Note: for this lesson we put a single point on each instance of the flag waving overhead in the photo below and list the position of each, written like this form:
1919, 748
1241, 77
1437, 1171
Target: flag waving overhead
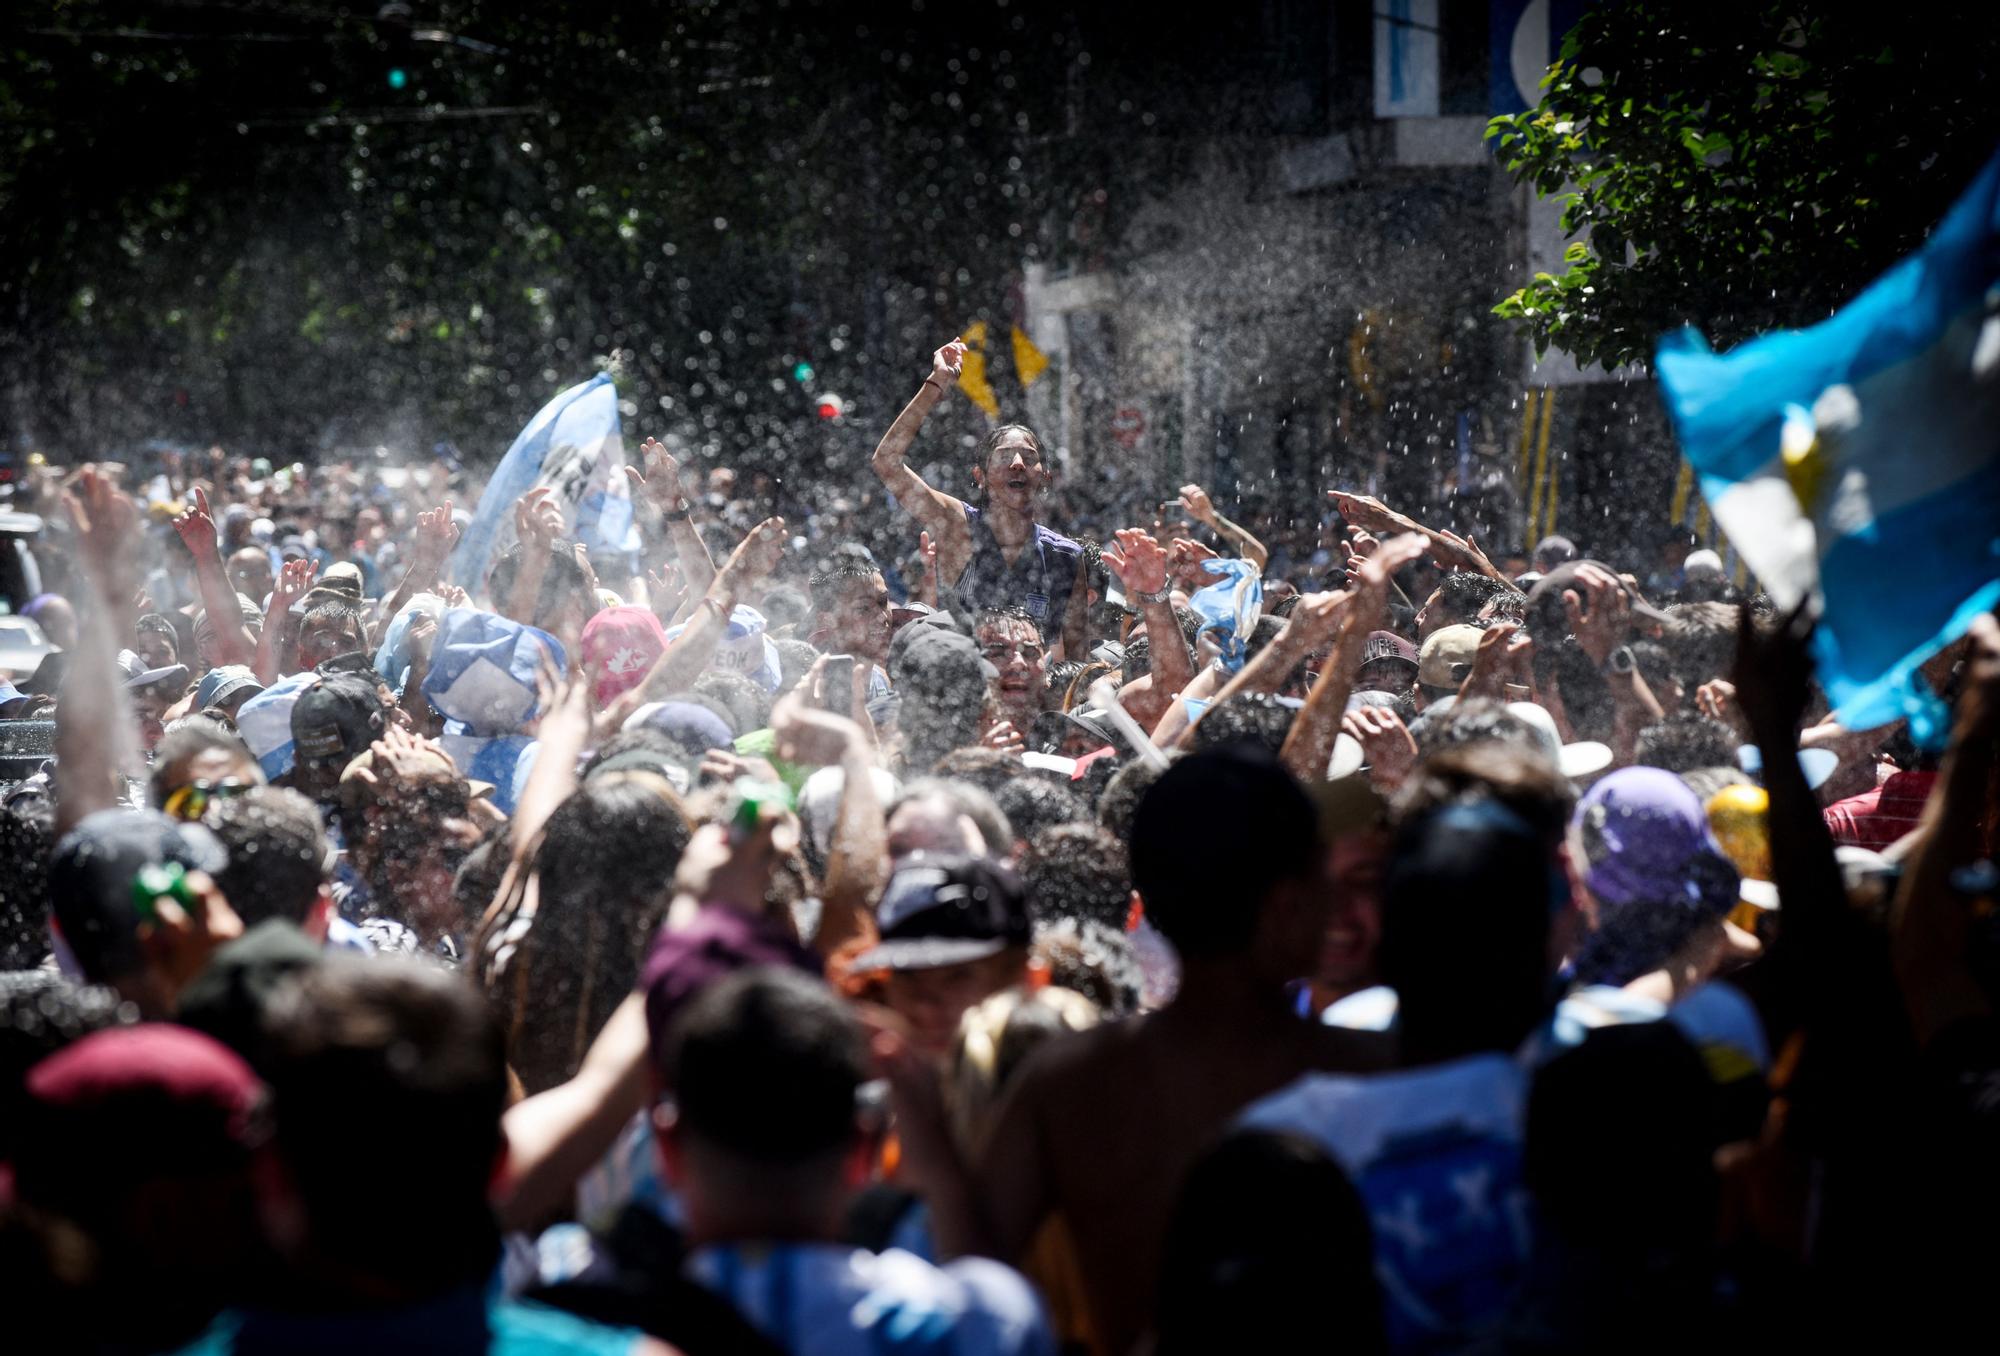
573, 447
1860, 459
1230, 607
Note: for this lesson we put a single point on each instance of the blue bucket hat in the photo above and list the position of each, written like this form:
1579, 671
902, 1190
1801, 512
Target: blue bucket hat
484, 670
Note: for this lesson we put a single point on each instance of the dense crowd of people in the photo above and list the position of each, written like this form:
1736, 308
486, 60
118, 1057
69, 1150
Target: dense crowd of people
989, 940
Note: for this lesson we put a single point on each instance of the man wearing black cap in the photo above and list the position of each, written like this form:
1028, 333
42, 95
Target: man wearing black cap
154, 692
1102, 1126
941, 679
954, 931
91, 889
333, 722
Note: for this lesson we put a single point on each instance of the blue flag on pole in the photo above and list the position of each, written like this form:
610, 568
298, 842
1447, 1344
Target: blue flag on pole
1859, 460
572, 446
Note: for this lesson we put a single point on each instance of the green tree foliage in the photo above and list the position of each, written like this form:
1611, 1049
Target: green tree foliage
1744, 167
300, 227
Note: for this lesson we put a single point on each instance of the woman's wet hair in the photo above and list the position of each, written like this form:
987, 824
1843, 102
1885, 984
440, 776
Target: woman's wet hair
605, 866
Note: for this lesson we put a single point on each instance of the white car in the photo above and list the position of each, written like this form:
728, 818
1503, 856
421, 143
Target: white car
22, 646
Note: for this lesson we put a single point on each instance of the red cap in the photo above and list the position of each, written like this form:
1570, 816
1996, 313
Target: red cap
129, 1105
619, 647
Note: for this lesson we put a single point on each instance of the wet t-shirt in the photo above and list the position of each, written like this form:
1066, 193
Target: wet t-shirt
1039, 581
1436, 1156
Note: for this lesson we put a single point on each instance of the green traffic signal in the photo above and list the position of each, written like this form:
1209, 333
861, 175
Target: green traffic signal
398, 77
802, 373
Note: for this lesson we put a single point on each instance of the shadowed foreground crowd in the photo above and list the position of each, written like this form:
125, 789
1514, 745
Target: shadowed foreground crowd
1176, 942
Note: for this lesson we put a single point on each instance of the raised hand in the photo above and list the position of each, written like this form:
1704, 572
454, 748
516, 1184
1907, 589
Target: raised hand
197, 528
582, 554
537, 517
1387, 747
1185, 558
726, 765
178, 943
1002, 735
1139, 561
1466, 552
1502, 658
754, 557
1198, 505
1369, 513
1372, 576
436, 534
660, 480
947, 363
401, 757
1317, 617
1356, 547
1774, 674
295, 580
1717, 698
721, 866
1598, 611
107, 522
808, 735
418, 637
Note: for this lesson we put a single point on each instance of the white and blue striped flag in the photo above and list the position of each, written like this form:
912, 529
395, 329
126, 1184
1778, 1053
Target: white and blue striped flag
573, 446
1859, 460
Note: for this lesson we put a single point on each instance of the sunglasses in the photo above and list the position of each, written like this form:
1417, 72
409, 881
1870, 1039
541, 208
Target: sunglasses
191, 802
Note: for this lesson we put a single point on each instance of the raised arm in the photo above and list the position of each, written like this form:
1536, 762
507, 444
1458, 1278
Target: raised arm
537, 523
1140, 563
689, 652
95, 735
939, 514
294, 581
660, 482
1372, 515
1202, 509
1774, 684
225, 618
436, 535
1309, 744
1930, 934
857, 857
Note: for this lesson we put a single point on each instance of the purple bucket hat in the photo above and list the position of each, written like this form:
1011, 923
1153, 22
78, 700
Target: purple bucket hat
1645, 837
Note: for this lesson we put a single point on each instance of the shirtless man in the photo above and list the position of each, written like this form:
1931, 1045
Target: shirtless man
993, 555
1101, 1126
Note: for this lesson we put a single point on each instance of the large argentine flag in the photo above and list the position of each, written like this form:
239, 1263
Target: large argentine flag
1861, 459
573, 447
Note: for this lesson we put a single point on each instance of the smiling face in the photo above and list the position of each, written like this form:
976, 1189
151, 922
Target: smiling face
1347, 954
1013, 472
862, 623
1013, 646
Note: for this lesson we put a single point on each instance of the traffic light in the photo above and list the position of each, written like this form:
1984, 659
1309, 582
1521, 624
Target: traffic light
398, 77
802, 372
830, 406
